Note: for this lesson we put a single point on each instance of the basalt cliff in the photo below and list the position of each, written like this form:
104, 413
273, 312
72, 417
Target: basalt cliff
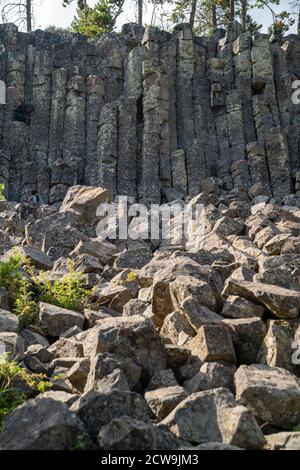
144, 111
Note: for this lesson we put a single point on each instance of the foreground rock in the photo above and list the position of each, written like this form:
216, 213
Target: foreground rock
54, 320
96, 409
272, 394
215, 416
130, 434
283, 303
43, 424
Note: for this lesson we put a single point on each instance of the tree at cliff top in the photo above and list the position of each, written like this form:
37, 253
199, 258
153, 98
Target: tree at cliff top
207, 15
295, 11
19, 12
97, 20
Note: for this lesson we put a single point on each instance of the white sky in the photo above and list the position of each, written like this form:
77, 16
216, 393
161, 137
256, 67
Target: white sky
51, 12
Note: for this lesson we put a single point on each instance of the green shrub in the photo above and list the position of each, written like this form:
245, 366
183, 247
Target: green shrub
10, 270
11, 398
2, 189
68, 292
19, 287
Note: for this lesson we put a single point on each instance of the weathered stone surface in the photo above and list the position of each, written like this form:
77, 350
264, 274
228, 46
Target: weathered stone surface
211, 375
163, 400
283, 303
247, 335
43, 424
106, 364
55, 320
126, 433
283, 441
237, 307
213, 343
96, 409
272, 394
214, 416
133, 337
9, 322
84, 202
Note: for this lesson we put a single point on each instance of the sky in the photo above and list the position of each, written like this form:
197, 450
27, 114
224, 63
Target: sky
51, 12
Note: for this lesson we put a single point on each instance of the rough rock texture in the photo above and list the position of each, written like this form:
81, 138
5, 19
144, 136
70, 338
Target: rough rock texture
141, 113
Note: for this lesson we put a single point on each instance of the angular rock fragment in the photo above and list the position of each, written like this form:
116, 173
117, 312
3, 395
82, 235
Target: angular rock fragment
55, 320
272, 394
214, 416
43, 424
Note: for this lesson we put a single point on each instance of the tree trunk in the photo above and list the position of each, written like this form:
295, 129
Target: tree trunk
29, 15
299, 21
244, 14
214, 16
232, 11
193, 13
140, 12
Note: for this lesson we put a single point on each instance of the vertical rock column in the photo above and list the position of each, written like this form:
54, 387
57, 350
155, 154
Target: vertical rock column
278, 163
133, 87
155, 108
127, 148
94, 103
74, 127
58, 183
15, 136
258, 170
243, 78
37, 169
107, 147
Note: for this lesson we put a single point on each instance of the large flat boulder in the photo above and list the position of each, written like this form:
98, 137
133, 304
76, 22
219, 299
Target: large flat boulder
283, 303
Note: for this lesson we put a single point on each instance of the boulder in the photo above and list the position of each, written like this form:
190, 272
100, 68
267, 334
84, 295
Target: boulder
96, 409
277, 347
132, 337
105, 364
283, 441
12, 344
272, 394
214, 416
236, 307
126, 433
213, 343
84, 202
197, 314
43, 424
116, 380
9, 322
100, 249
36, 256
163, 400
283, 303
211, 375
54, 320
247, 335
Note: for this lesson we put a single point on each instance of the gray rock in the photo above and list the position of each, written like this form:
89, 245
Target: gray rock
96, 409
272, 394
54, 320
214, 416
43, 424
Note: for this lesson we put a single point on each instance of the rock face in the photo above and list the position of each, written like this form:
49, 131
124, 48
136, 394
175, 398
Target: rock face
141, 113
